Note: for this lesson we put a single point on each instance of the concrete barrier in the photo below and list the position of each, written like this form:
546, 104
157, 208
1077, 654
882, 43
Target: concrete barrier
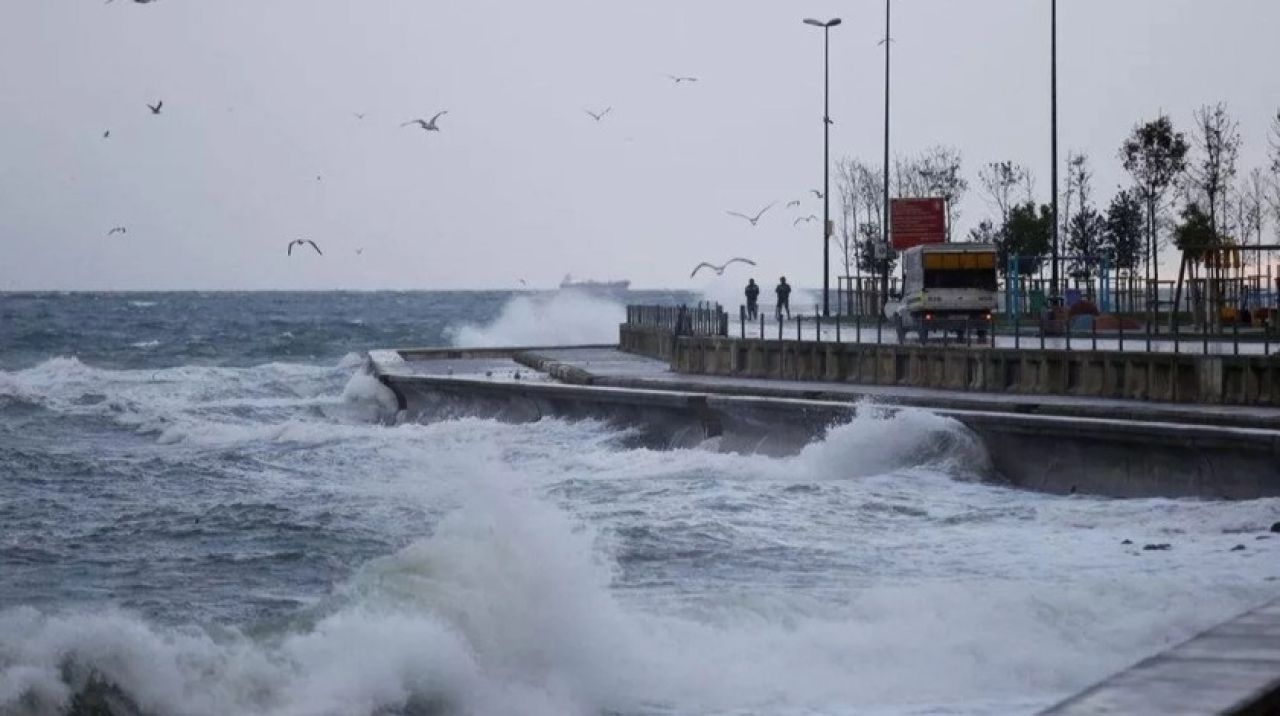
1056, 454
1233, 380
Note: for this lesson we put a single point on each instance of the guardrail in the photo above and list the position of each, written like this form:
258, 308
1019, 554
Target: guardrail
704, 319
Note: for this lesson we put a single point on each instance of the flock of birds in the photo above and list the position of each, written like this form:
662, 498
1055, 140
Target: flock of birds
432, 125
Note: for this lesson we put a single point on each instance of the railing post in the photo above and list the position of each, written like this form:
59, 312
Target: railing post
742, 321
1093, 332
799, 323
1235, 334
1120, 326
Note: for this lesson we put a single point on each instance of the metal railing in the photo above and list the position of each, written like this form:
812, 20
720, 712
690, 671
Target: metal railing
703, 319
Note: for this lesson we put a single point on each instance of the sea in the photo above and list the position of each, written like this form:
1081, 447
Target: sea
205, 510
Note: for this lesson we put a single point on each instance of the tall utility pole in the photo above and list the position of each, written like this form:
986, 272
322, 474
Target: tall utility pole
884, 279
1053, 92
826, 159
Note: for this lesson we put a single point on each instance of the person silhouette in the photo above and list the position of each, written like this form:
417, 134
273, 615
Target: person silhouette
784, 297
753, 299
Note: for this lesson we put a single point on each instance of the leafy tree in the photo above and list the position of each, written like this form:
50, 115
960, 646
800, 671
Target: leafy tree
1085, 234
1027, 235
872, 259
1155, 156
1123, 231
1195, 234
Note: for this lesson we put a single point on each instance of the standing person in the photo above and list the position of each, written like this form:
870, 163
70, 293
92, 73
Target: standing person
784, 297
753, 299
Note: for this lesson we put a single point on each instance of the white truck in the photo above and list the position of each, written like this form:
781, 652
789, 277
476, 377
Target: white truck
945, 288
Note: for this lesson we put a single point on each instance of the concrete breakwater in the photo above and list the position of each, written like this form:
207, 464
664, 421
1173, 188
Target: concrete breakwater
1181, 378
1045, 452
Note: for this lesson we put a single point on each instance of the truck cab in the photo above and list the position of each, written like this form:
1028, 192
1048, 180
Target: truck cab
945, 288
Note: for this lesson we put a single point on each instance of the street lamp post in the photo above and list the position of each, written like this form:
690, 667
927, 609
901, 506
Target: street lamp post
1053, 142
826, 158
887, 219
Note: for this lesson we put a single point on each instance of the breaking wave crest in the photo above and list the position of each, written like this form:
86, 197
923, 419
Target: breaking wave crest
561, 318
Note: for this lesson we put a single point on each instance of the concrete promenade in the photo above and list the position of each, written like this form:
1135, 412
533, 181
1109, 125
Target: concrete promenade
1233, 668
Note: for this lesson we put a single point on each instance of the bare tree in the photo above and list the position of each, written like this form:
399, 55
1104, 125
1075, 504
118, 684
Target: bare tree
941, 170
999, 181
908, 177
871, 189
1217, 137
1253, 200
847, 177
1274, 142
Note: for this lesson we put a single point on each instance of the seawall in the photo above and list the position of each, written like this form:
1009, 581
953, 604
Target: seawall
1050, 453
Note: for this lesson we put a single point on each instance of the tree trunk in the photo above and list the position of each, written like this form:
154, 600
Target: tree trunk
1177, 292
1155, 260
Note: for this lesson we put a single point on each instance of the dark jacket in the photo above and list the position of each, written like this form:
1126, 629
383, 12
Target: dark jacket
753, 292
784, 292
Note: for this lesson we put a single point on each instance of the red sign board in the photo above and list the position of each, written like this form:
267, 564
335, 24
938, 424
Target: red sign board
917, 221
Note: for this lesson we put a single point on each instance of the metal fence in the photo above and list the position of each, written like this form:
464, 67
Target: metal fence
703, 319
1044, 332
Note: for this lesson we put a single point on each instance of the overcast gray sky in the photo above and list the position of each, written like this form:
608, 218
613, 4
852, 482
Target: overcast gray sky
260, 94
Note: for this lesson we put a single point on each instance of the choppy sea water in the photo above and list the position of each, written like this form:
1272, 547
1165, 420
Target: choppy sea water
200, 514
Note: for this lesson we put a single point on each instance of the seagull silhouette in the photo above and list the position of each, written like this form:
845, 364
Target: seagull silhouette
720, 269
678, 80
598, 117
359, 252
358, 115
106, 134
155, 108
805, 219
752, 219
816, 193
430, 126
299, 242
117, 230
793, 202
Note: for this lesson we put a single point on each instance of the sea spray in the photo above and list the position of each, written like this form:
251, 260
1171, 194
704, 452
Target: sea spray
561, 318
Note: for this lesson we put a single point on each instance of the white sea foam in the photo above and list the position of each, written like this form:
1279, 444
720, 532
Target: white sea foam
855, 577
145, 345
561, 318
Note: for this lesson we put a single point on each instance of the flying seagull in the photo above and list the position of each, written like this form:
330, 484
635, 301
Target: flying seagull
793, 202
598, 117
299, 242
805, 219
155, 108
752, 219
358, 115
117, 230
106, 134
359, 252
678, 80
430, 126
816, 193
720, 269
